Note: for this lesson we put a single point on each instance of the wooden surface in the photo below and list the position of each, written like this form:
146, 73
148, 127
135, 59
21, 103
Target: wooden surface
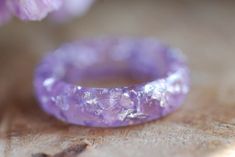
204, 126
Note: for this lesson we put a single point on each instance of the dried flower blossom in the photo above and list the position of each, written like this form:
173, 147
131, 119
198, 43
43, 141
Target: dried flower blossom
35, 10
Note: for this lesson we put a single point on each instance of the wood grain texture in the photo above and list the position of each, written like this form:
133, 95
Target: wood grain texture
203, 126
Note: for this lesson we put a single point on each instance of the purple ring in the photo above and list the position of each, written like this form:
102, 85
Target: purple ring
143, 59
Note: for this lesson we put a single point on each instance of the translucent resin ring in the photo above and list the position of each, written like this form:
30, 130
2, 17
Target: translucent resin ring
160, 72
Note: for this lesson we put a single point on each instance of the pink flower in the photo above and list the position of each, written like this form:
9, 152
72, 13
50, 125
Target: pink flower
35, 10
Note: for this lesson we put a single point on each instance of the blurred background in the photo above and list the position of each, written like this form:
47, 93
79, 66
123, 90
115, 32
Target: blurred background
204, 126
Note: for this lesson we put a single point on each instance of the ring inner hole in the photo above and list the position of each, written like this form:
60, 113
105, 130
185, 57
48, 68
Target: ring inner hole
105, 70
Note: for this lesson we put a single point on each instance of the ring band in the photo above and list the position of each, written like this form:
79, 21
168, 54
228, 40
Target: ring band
58, 77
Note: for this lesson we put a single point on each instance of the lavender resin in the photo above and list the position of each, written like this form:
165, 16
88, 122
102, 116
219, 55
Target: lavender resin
58, 75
